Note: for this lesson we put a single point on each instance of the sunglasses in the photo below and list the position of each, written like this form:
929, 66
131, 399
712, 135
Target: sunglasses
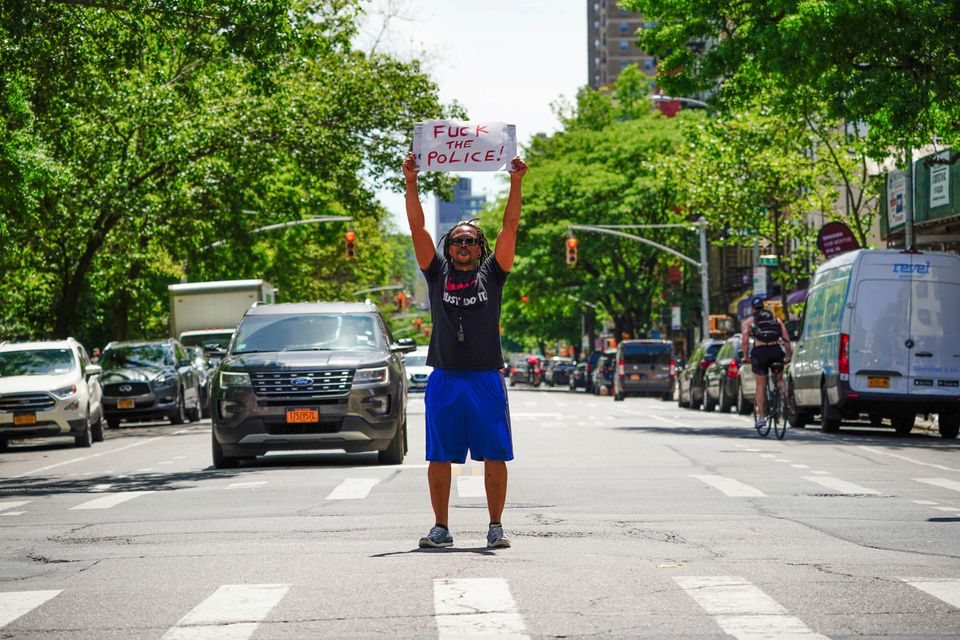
464, 240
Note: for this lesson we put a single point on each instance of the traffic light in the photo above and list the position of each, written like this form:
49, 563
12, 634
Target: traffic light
349, 246
571, 251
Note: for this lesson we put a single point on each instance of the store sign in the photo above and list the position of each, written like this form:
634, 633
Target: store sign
898, 198
836, 238
675, 318
940, 182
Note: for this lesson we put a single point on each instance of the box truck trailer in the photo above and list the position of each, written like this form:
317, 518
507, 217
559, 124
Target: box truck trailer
205, 314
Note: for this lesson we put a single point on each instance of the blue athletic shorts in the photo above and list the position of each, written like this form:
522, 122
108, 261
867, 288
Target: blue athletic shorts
467, 410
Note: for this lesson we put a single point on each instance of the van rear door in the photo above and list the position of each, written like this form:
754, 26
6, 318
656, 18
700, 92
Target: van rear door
935, 325
880, 325
647, 362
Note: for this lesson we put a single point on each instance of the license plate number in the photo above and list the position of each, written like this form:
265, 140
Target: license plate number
303, 415
634, 376
25, 419
126, 404
878, 382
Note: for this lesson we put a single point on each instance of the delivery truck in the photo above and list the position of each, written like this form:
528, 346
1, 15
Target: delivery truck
205, 314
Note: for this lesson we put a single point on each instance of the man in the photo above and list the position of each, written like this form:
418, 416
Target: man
771, 344
466, 400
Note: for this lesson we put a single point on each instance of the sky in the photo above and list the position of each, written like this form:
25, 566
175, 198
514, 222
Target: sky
502, 60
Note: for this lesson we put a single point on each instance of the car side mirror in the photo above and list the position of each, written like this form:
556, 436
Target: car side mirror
404, 345
92, 370
793, 329
186, 362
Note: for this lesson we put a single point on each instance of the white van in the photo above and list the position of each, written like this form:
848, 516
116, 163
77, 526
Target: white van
880, 336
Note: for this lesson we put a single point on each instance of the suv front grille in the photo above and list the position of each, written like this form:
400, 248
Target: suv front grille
14, 402
325, 425
302, 385
115, 389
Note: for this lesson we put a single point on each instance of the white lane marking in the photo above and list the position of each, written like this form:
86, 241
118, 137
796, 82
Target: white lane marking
782, 460
470, 487
940, 482
95, 455
913, 460
768, 455
13, 504
947, 589
924, 502
167, 462
244, 485
144, 470
822, 473
14, 604
951, 509
111, 500
751, 450
353, 489
730, 487
233, 612
12, 513
475, 609
743, 610
800, 466
842, 486
100, 487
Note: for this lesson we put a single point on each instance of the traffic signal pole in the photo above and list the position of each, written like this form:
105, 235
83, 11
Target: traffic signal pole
703, 264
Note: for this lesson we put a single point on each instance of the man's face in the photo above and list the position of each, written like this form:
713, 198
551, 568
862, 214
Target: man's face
463, 254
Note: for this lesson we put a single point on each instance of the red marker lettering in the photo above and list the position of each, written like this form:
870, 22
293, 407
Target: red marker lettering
489, 156
481, 129
436, 130
431, 156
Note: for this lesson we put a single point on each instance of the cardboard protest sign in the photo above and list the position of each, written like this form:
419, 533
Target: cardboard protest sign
448, 145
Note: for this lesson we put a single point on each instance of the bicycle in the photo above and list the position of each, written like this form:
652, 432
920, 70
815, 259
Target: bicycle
775, 409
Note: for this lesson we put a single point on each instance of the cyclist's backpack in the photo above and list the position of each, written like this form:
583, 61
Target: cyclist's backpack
765, 327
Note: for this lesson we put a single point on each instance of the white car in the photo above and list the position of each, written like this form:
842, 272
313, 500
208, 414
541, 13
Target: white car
49, 389
417, 369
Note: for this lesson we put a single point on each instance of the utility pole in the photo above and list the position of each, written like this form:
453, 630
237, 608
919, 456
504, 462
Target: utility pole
704, 280
908, 205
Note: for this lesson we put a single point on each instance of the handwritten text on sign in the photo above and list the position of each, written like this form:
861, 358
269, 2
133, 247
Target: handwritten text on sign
448, 145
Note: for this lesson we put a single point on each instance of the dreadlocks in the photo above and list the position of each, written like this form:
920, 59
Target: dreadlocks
481, 239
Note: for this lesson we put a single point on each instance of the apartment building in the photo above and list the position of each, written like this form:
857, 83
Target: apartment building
611, 43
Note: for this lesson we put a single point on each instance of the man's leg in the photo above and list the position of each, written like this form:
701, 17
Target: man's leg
495, 482
760, 396
438, 475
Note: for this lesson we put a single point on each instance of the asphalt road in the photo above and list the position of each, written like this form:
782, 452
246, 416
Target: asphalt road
628, 520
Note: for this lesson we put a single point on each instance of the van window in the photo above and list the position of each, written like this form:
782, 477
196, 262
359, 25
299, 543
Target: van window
936, 311
825, 307
647, 353
880, 320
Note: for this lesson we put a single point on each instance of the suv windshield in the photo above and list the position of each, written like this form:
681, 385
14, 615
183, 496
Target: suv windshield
146, 355
647, 353
208, 342
312, 332
415, 361
36, 362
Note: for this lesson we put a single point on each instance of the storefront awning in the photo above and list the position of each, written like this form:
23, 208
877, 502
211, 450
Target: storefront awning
796, 297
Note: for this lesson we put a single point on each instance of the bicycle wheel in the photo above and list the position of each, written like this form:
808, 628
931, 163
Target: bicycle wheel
764, 430
779, 417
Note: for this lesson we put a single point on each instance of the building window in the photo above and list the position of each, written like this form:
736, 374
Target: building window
623, 65
624, 46
624, 26
649, 64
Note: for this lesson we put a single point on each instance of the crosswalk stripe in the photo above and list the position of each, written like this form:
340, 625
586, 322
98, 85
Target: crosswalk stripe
841, 486
13, 504
353, 489
14, 604
111, 500
730, 487
246, 485
476, 608
742, 610
470, 487
232, 612
940, 482
947, 590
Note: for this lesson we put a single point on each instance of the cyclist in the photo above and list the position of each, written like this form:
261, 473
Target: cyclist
771, 344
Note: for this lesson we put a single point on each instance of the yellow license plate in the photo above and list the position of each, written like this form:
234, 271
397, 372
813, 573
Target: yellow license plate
126, 404
878, 382
25, 419
303, 415
634, 376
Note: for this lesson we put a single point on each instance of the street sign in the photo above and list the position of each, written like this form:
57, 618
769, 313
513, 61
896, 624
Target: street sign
769, 260
675, 318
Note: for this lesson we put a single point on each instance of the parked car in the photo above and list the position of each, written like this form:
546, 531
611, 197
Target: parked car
644, 367
591, 369
526, 370
417, 369
49, 389
691, 379
214, 343
603, 372
558, 371
205, 371
723, 387
149, 380
311, 376
879, 337
578, 378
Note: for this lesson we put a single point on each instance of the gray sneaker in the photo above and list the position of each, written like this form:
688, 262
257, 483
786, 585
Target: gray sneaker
495, 537
438, 537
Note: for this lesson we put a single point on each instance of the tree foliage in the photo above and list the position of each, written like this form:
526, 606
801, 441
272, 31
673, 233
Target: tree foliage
135, 135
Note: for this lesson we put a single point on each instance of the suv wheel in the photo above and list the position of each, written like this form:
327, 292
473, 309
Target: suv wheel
181, 415
949, 425
85, 439
903, 423
221, 461
97, 430
193, 415
393, 454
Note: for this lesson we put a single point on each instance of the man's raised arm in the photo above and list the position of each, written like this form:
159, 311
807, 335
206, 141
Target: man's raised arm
422, 242
507, 238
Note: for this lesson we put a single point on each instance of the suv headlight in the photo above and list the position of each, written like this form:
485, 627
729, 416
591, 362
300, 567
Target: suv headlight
230, 379
65, 392
377, 375
165, 379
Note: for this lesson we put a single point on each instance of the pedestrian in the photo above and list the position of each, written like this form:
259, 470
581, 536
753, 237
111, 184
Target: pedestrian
95, 356
466, 399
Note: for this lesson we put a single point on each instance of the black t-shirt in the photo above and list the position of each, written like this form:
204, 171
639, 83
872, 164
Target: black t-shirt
467, 299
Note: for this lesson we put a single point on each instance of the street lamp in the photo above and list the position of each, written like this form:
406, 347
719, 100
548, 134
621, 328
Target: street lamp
691, 101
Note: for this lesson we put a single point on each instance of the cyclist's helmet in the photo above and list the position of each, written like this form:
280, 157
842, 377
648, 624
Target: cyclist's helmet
758, 301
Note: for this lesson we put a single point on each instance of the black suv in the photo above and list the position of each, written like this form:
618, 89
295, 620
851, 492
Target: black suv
146, 380
324, 375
